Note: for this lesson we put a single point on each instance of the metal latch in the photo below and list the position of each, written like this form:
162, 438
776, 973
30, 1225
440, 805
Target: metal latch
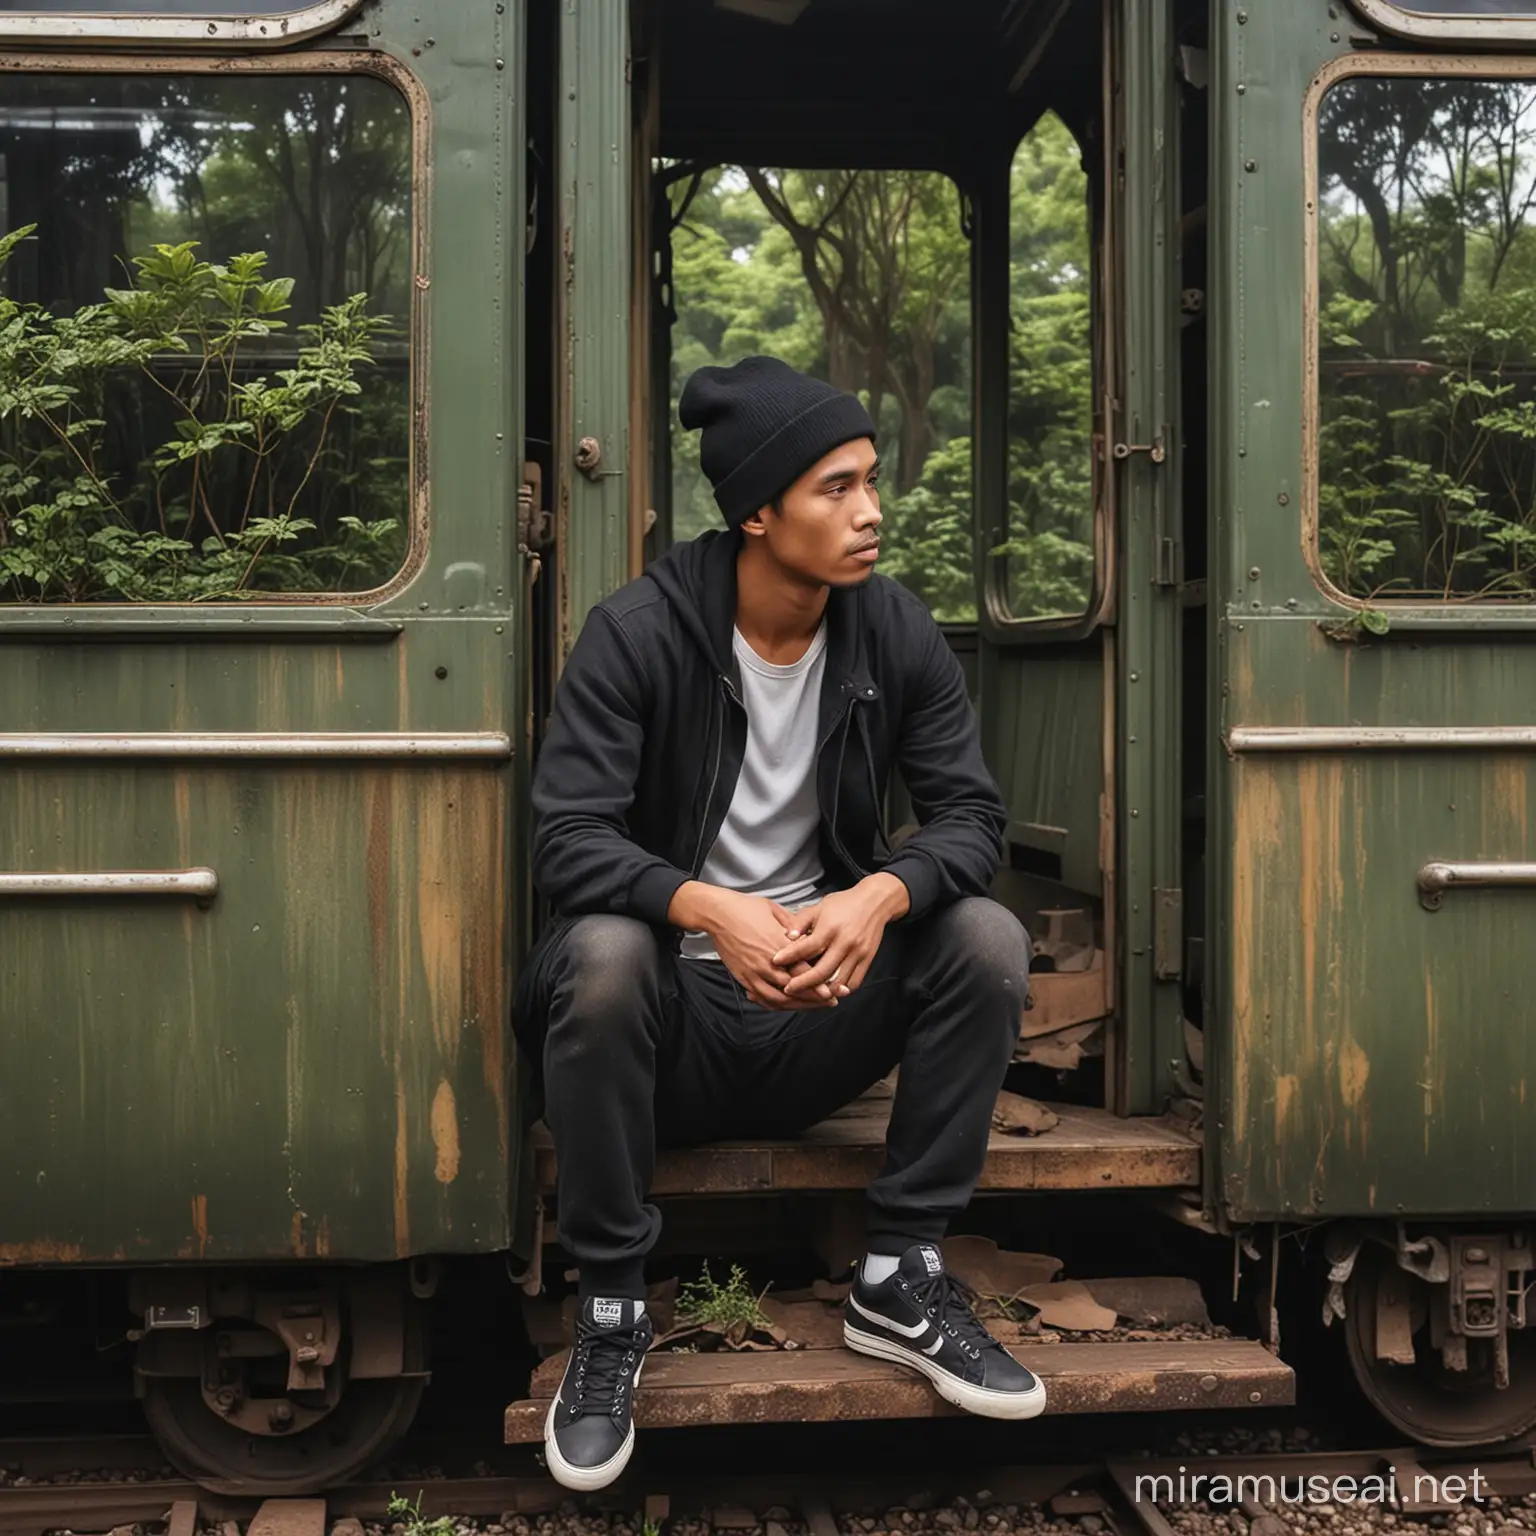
1154, 448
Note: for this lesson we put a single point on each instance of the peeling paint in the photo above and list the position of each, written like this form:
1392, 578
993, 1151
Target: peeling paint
200, 1223
1354, 1071
445, 1133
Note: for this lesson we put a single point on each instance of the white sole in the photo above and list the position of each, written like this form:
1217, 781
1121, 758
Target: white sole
586, 1479
985, 1402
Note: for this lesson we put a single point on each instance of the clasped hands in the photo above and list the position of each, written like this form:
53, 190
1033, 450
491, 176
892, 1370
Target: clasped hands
795, 960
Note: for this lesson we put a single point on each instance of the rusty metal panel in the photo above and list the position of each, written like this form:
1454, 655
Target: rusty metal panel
1379, 1054
311, 1064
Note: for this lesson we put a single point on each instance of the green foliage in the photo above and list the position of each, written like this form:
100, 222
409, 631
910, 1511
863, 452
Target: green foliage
1427, 327
707, 1301
404, 1512
862, 278
146, 455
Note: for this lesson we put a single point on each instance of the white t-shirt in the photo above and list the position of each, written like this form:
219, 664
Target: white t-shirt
768, 844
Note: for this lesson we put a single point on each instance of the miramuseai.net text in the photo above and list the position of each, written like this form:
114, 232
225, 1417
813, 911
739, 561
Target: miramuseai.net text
1379, 1488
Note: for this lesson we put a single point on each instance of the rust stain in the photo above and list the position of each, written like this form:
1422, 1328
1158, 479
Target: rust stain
296, 1236
1506, 802
445, 1132
43, 1251
200, 1222
449, 861
1354, 1070
323, 1239
1257, 822
1285, 1091
402, 1167
377, 797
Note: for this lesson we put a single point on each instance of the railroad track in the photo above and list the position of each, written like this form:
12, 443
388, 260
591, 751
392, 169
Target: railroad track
1129, 1495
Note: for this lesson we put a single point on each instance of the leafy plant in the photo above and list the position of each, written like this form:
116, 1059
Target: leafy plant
409, 1514
146, 456
1427, 326
706, 1301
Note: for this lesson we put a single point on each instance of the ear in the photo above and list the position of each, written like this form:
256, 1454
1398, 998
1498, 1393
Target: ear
752, 526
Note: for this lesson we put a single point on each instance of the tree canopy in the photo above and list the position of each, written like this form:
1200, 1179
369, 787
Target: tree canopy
863, 278
1427, 346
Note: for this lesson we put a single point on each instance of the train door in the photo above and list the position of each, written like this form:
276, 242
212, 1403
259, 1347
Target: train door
1374, 686
260, 599
1078, 551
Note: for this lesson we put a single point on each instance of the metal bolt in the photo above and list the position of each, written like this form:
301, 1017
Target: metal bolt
309, 1337
1250, 165
441, 672
1333, 37
1253, 573
1242, 18
1254, 1397
1242, 90
281, 1415
1207, 1383
1291, 602
1135, 677
1284, 498
1477, 1256
226, 1400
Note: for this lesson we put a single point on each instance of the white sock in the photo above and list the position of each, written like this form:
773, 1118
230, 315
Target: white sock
878, 1267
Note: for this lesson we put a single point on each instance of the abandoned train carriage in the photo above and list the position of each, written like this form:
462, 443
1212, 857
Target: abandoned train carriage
291, 546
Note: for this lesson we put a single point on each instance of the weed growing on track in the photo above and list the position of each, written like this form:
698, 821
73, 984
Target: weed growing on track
410, 1514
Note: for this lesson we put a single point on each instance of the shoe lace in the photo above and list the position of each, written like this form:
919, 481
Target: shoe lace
604, 1368
949, 1305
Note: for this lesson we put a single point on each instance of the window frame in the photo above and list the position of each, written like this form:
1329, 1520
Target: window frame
1001, 623
302, 610
1407, 613
1442, 27
273, 29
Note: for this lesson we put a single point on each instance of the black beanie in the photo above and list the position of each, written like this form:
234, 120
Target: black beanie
764, 426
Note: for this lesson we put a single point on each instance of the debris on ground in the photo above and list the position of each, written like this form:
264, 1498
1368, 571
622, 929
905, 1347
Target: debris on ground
1014, 1115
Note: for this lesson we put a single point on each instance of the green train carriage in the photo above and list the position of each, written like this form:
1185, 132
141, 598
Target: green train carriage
291, 550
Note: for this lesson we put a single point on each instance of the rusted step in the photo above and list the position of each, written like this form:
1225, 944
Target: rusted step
1089, 1149
817, 1385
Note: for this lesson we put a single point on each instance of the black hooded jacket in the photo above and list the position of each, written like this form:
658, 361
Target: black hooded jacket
649, 732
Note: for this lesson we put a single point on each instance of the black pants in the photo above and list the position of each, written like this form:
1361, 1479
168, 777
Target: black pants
639, 1048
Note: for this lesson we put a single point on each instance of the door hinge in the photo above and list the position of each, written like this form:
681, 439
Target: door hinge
1167, 933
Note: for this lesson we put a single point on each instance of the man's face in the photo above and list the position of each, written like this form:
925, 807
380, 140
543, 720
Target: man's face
827, 532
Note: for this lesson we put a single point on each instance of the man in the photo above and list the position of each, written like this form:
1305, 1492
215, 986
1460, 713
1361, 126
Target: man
737, 951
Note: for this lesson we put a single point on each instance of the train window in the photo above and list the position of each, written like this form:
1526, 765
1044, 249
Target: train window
205, 357
861, 277
1049, 548
1425, 236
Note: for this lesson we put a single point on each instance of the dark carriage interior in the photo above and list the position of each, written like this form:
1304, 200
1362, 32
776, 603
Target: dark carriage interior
841, 85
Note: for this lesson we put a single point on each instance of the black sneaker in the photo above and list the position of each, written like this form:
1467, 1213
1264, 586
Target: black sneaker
589, 1432
921, 1317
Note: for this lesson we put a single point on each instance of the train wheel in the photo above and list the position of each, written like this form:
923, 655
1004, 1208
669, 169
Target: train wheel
1430, 1403
247, 1406
369, 1418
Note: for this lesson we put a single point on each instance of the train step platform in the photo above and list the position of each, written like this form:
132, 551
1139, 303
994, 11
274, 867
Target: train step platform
1087, 1149
820, 1385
